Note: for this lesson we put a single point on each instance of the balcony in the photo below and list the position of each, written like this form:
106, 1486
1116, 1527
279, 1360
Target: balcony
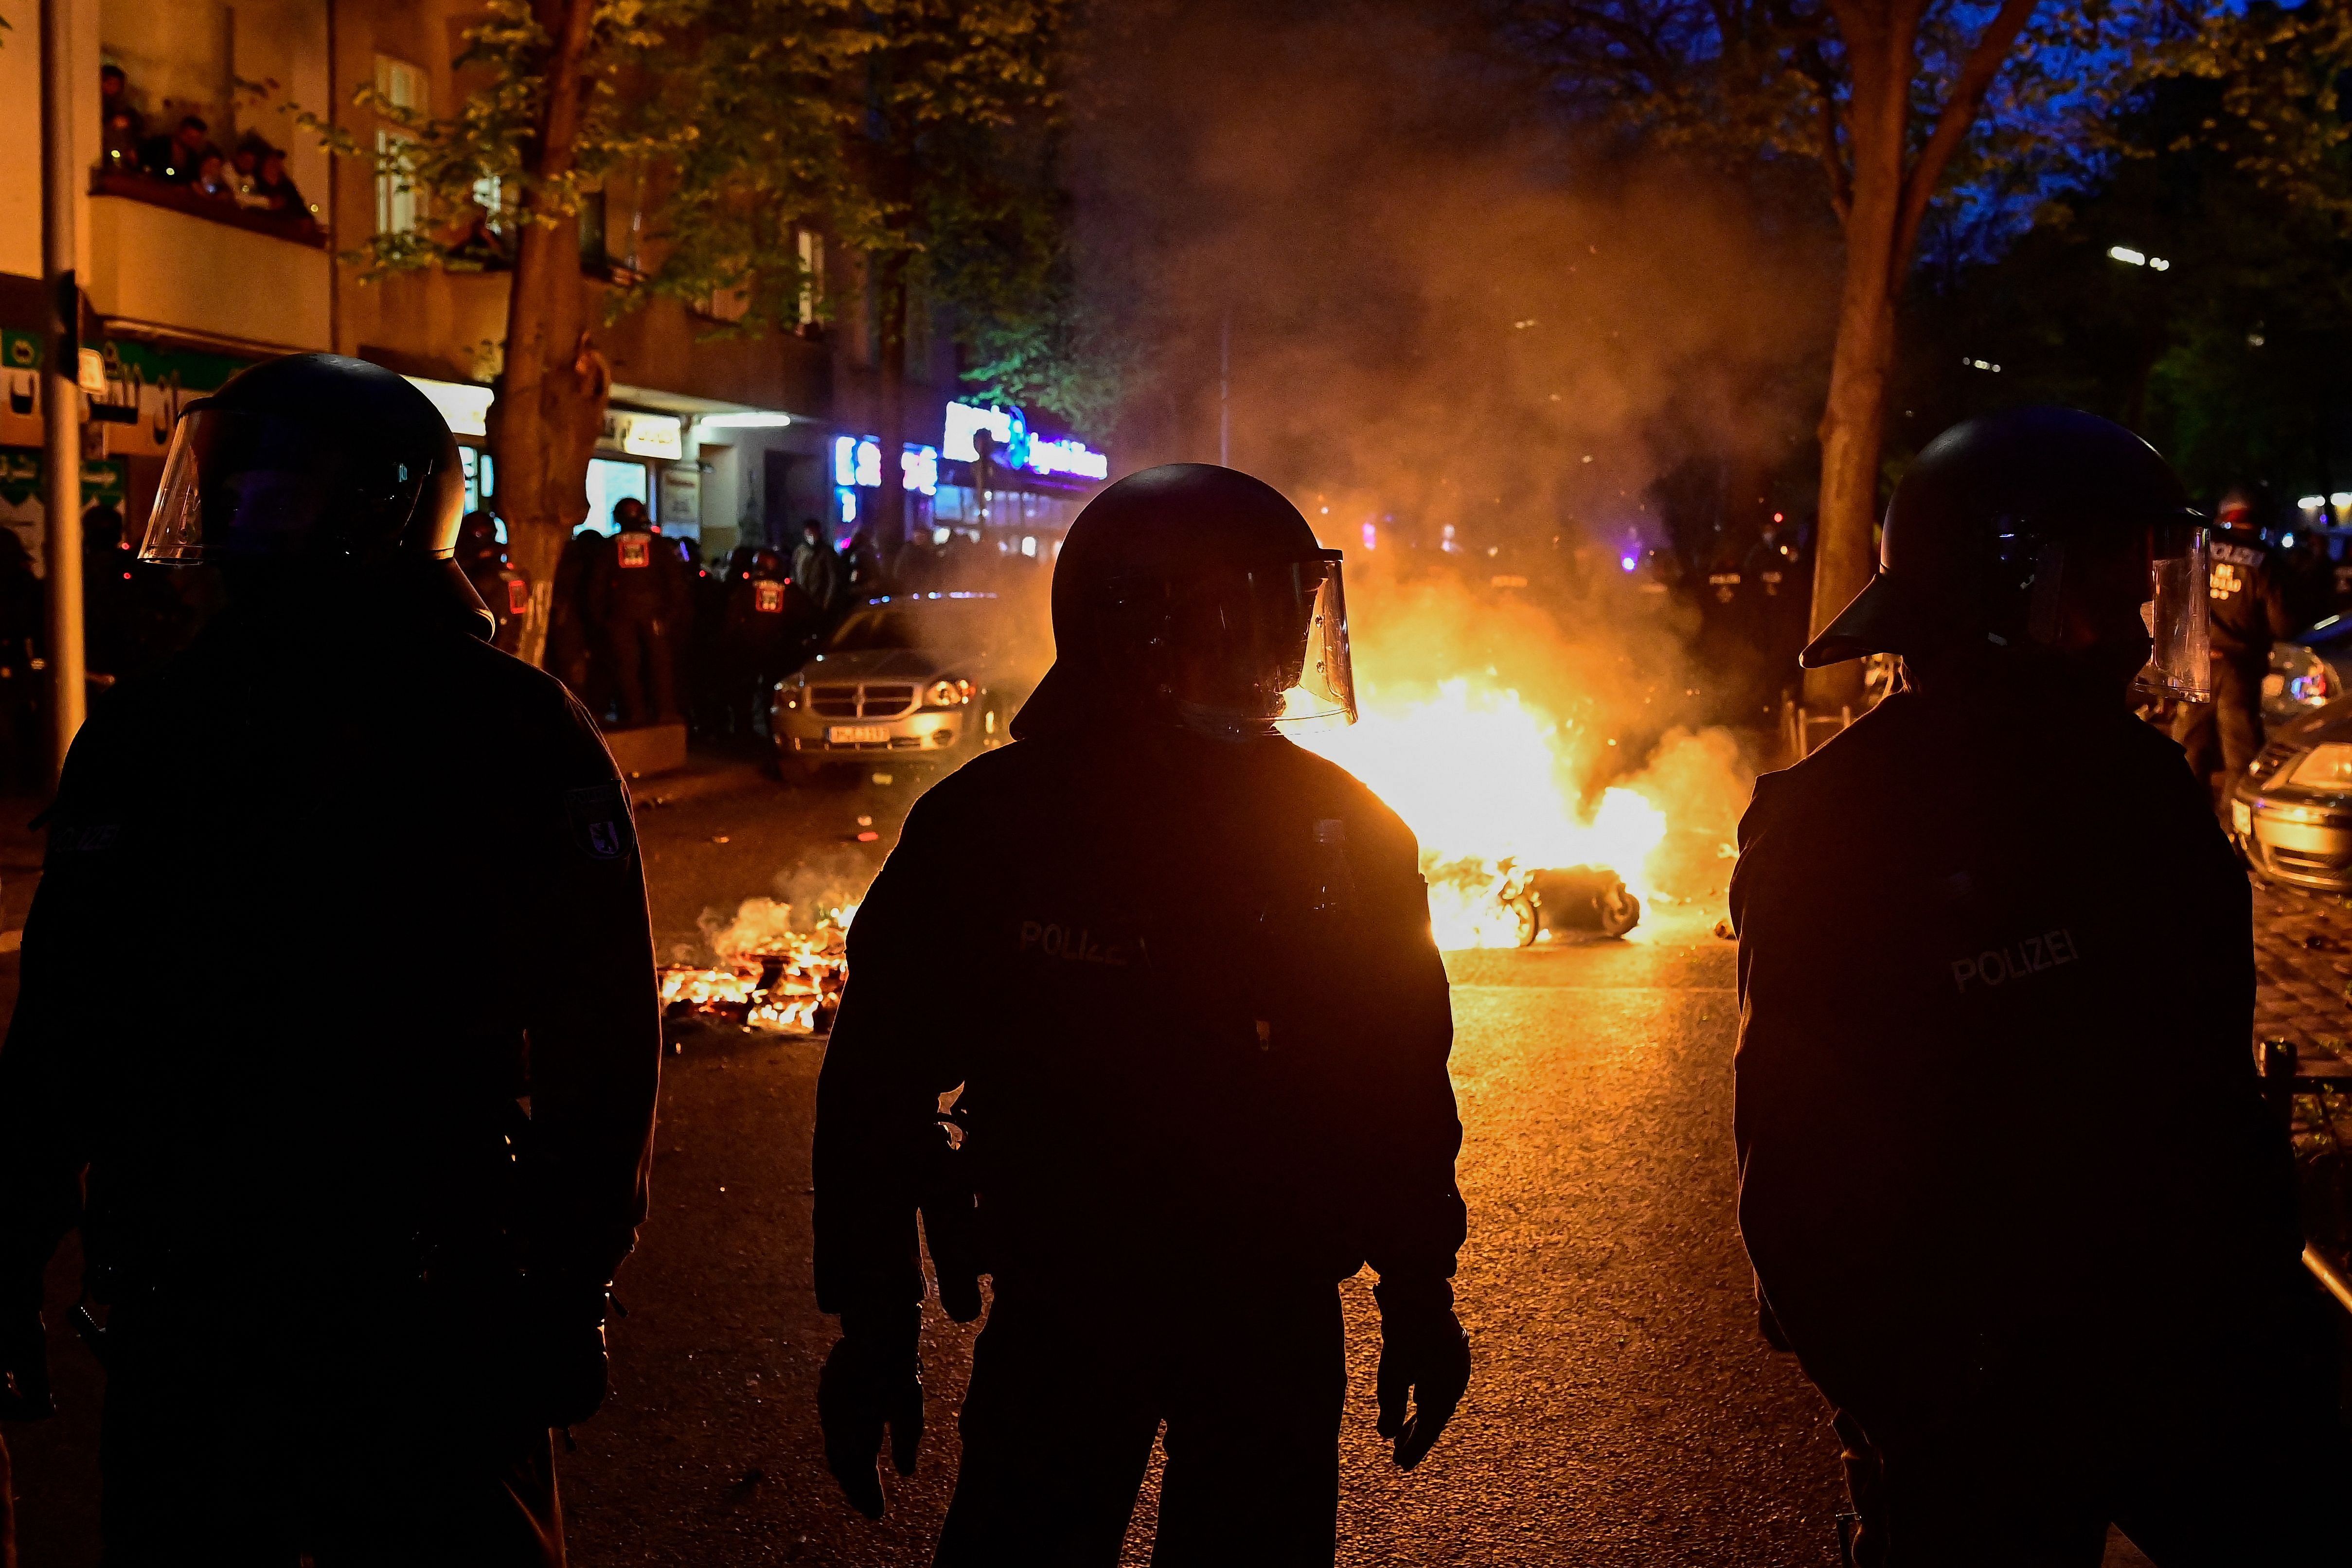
300, 228
161, 256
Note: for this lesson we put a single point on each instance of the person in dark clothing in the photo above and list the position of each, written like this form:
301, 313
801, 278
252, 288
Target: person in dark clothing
2006, 1176
572, 654
121, 128
23, 634
819, 569
363, 1150
179, 156
642, 600
1182, 973
762, 623
1778, 581
505, 591
2249, 611
276, 188
110, 595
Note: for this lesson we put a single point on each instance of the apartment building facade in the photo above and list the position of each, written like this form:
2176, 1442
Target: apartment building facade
186, 280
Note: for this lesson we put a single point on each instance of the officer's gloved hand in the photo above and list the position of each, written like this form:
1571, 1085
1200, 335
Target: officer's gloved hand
873, 1379
1425, 1363
23, 1348
561, 1356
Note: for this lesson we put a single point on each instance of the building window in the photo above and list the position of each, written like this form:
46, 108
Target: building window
591, 230
812, 259
402, 86
609, 483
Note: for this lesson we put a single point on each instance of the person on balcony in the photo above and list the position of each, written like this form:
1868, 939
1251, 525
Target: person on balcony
276, 188
179, 156
213, 178
245, 169
121, 126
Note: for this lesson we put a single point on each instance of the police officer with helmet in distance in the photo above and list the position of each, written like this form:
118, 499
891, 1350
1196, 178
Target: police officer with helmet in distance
2248, 611
364, 1122
2005, 1175
1182, 970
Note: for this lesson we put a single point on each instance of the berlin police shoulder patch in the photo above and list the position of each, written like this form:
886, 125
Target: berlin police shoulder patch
601, 828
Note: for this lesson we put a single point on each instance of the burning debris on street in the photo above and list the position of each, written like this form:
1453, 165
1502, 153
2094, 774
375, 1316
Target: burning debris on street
765, 974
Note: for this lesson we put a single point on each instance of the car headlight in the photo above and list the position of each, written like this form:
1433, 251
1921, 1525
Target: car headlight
948, 694
2327, 767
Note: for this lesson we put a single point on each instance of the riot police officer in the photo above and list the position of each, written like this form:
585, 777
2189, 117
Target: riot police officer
641, 597
504, 591
761, 622
351, 1236
2249, 611
2006, 1177
1182, 970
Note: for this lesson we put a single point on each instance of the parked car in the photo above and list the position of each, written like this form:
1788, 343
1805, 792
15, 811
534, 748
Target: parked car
2300, 680
2291, 814
924, 679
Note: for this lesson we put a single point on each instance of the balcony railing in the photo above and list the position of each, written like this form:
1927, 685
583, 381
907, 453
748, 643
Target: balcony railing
300, 228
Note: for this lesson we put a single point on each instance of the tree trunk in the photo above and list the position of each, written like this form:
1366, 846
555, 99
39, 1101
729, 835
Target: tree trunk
884, 532
1883, 53
552, 385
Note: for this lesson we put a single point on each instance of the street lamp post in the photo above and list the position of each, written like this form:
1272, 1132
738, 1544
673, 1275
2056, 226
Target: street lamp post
60, 372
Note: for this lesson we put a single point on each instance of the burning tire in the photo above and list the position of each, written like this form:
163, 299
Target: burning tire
1583, 900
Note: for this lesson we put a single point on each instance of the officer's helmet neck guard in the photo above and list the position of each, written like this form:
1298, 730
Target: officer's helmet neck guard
2037, 528
1198, 595
316, 463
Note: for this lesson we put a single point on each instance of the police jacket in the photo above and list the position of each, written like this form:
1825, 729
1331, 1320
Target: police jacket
762, 614
1997, 1113
1191, 994
2247, 598
505, 594
284, 1010
640, 578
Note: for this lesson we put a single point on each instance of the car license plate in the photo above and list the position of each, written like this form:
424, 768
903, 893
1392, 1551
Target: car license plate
2241, 818
855, 734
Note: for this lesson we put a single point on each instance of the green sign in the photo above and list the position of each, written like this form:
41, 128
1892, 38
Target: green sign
20, 351
190, 370
103, 483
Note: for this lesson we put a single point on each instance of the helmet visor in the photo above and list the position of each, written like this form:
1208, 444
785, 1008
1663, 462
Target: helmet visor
238, 483
1263, 650
2176, 613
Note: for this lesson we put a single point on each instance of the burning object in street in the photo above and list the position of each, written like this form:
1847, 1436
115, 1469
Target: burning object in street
1581, 900
766, 975
1481, 777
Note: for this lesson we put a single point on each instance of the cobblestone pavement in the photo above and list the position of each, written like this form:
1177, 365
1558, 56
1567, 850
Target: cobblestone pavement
2303, 952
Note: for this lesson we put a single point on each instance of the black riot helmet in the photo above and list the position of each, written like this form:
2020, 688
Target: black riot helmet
315, 461
2012, 527
477, 541
1196, 593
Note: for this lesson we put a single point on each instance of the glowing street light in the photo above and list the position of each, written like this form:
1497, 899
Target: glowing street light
2130, 258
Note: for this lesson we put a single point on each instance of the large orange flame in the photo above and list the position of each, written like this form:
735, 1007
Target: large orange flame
1480, 776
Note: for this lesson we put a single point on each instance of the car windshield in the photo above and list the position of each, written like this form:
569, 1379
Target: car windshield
916, 624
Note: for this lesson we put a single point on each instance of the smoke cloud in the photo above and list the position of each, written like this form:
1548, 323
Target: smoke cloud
1351, 246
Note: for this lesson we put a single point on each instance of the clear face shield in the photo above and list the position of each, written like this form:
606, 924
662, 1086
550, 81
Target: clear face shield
1262, 650
2175, 612
238, 483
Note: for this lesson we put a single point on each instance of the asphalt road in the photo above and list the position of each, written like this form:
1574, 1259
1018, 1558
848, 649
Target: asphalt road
1624, 1410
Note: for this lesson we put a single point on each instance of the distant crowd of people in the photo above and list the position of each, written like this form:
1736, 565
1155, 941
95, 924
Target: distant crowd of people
643, 632
252, 175
641, 628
